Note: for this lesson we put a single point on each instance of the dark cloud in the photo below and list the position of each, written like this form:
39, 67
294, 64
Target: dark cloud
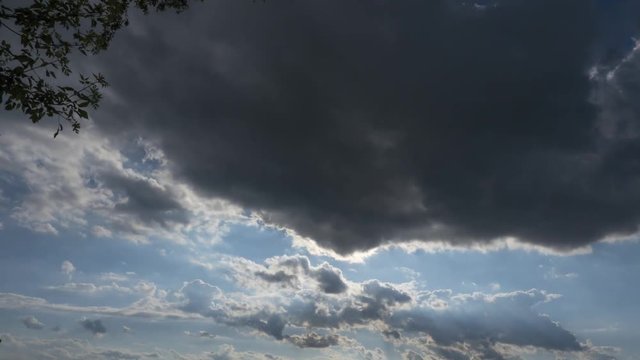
313, 340
292, 268
391, 334
96, 327
385, 293
146, 200
329, 279
358, 123
273, 326
278, 277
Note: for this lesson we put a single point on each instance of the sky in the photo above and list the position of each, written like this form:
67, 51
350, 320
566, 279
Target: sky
349, 179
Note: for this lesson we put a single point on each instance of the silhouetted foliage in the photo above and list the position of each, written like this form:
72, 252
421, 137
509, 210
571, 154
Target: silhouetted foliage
37, 39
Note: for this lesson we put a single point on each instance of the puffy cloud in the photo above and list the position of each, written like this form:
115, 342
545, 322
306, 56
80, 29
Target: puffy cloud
385, 293
32, 323
96, 327
277, 277
101, 231
67, 267
103, 187
313, 340
436, 324
455, 323
294, 271
329, 280
199, 296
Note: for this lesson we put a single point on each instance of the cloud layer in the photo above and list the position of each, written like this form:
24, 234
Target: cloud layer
357, 124
302, 313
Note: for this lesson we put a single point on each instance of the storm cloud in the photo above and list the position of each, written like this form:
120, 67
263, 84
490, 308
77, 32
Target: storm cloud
96, 327
362, 123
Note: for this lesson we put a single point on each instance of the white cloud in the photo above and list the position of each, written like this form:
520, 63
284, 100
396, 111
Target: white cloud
111, 276
149, 307
303, 313
101, 231
86, 184
43, 228
201, 334
554, 274
89, 288
228, 352
67, 268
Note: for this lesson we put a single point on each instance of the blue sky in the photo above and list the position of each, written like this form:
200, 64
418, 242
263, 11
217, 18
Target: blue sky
339, 180
54, 278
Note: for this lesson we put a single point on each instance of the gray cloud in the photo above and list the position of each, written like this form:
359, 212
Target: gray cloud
330, 280
357, 123
201, 334
392, 334
313, 340
440, 324
198, 296
96, 327
145, 200
277, 277
462, 324
290, 270
64, 348
228, 352
411, 355
486, 319
32, 323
